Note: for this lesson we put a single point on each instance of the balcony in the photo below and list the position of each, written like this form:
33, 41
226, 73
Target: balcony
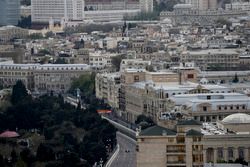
176, 163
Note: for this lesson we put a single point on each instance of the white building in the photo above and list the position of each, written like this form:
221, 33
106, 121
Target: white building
146, 6
100, 60
109, 15
238, 6
43, 10
202, 4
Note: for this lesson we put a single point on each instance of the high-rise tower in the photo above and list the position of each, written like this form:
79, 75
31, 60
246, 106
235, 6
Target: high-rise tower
10, 12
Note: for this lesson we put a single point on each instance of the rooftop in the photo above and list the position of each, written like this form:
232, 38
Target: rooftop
157, 131
189, 122
238, 118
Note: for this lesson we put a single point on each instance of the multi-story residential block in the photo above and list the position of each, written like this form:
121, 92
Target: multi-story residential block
192, 144
107, 87
203, 4
185, 14
111, 5
223, 76
212, 58
42, 78
43, 10
143, 92
238, 6
100, 60
134, 64
109, 15
10, 12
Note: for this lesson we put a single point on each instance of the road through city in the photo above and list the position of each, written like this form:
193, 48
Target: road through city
126, 156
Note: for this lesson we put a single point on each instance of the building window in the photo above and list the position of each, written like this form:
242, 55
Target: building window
204, 108
208, 97
241, 153
190, 76
230, 152
136, 78
166, 95
219, 107
220, 153
137, 148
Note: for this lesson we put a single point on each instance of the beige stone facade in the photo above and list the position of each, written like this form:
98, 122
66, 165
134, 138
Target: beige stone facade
107, 87
42, 78
191, 145
10, 32
209, 59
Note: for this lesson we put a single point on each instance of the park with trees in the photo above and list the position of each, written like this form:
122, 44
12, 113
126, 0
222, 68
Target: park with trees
68, 136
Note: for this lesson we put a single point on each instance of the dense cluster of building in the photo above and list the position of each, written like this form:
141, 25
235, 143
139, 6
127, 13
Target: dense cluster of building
79, 10
188, 72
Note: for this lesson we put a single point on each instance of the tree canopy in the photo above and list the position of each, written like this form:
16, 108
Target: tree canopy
19, 92
73, 136
116, 61
86, 83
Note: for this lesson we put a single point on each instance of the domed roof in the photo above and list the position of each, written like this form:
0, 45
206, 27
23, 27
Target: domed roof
238, 118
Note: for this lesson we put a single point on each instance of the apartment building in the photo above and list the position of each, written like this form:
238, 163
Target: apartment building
238, 6
42, 78
43, 10
107, 87
212, 58
111, 5
134, 63
203, 4
192, 144
109, 15
142, 92
100, 60
223, 76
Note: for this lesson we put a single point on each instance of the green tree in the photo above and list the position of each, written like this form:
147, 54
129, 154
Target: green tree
49, 34
14, 156
36, 36
143, 118
19, 92
116, 61
86, 83
20, 163
222, 21
60, 61
45, 153
236, 79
